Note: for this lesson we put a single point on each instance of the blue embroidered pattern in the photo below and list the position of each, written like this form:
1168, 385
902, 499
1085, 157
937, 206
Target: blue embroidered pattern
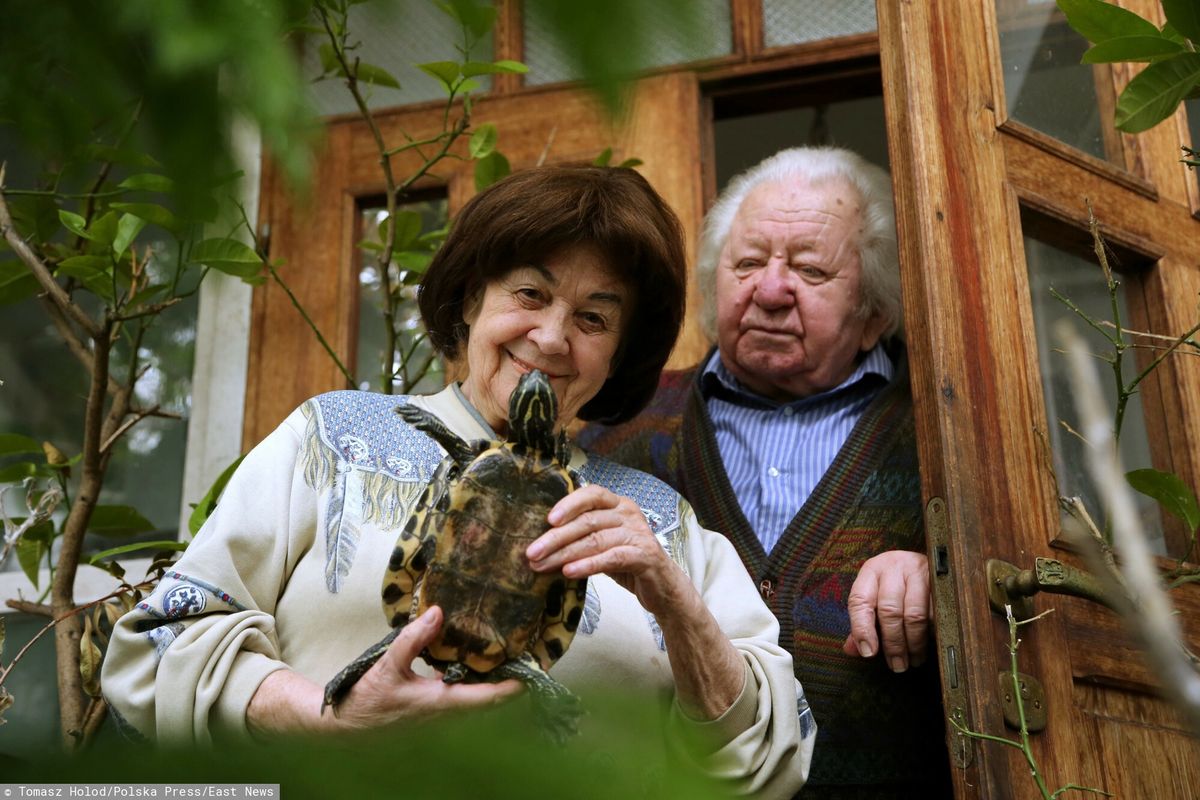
364, 430
658, 501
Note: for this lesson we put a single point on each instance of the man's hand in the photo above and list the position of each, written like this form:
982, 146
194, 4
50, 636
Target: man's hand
891, 592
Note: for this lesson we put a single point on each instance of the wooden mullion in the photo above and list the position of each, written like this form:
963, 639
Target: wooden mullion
509, 39
747, 27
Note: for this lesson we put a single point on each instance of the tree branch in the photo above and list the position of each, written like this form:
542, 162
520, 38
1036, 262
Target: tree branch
39, 269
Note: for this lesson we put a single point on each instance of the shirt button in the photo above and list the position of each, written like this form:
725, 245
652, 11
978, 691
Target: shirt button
788, 411
773, 472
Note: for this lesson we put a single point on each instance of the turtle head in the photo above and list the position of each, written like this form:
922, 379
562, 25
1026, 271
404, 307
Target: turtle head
533, 412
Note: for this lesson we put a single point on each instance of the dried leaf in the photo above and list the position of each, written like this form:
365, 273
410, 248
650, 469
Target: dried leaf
6, 702
89, 660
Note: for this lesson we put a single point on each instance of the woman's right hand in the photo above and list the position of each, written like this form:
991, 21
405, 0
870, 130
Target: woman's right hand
389, 693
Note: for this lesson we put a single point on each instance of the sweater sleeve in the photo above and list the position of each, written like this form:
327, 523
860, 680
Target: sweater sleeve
765, 739
184, 663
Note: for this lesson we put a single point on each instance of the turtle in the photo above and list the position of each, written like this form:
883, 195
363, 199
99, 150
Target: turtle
463, 549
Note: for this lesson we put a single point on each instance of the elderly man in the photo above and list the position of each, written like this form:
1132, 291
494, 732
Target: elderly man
795, 439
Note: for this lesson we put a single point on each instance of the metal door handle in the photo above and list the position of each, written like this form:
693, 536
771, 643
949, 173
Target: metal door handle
1012, 586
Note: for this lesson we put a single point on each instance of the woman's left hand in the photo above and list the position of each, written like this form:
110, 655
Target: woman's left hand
595, 531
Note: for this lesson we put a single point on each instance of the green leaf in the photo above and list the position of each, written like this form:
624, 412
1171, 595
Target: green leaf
367, 244
148, 181
162, 544
408, 228
1155, 93
103, 230
12, 443
117, 520
29, 555
1184, 17
84, 266
151, 212
630, 163
127, 230
483, 141
508, 65
147, 294
603, 159
369, 73
478, 19
473, 68
468, 86
1100, 21
205, 507
1131, 48
227, 255
17, 283
490, 169
416, 261
329, 59
1170, 491
446, 72
74, 223
14, 473
92, 271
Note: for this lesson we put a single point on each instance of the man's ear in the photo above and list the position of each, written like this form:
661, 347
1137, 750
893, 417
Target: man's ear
872, 332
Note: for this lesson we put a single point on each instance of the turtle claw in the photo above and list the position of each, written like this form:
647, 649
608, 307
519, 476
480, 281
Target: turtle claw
556, 709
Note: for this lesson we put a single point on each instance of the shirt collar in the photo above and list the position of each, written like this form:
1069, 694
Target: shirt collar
716, 380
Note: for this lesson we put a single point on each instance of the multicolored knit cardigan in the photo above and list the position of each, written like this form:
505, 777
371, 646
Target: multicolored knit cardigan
879, 734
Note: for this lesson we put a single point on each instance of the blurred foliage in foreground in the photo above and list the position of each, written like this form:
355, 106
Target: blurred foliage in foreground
498, 754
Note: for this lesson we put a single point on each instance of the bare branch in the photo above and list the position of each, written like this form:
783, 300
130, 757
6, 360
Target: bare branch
1151, 619
126, 425
29, 607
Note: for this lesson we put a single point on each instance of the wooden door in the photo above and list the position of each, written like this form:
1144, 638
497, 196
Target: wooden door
316, 235
970, 180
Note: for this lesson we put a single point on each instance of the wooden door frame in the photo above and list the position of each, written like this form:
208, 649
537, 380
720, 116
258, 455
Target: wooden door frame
961, 172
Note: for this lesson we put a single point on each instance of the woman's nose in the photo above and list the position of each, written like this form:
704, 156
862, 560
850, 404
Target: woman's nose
550, 334
776, 286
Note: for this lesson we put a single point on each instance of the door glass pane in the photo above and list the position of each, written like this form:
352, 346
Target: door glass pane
656, 38
43, 397
415, 368
395, 36
1045, 85
743, 141
796, 21
1082, 281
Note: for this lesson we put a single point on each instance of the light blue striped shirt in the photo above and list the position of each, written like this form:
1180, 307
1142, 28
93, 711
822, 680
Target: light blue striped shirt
776, 453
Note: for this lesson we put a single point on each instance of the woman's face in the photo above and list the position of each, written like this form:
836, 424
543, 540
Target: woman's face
563, 316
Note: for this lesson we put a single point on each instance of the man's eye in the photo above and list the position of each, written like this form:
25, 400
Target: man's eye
747, 264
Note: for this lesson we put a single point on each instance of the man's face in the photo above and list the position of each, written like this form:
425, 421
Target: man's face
789, 290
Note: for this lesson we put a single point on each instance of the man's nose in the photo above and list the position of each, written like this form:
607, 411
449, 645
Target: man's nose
550, 332
776, 287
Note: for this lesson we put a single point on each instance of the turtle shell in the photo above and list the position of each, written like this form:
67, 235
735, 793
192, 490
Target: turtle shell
463, 549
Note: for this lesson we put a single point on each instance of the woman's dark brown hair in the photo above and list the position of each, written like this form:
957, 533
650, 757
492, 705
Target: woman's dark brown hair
534, 214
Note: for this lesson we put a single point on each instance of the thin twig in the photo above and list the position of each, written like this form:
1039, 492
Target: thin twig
126, 425
307, 319
31, 608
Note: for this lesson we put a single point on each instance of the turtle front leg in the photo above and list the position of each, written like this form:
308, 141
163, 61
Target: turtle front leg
337, 689
555, 707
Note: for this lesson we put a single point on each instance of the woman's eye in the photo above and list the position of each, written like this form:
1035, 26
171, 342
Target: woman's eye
592, 322
529, 295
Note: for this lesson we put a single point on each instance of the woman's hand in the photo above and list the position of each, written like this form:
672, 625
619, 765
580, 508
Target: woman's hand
595, 531
389, 693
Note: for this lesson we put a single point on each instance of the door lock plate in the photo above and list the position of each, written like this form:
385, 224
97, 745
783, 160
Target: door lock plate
1033, 701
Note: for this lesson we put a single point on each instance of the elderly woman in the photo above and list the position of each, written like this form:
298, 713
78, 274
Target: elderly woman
575, 271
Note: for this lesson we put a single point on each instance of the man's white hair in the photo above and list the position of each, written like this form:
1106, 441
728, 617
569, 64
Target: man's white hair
876, 245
